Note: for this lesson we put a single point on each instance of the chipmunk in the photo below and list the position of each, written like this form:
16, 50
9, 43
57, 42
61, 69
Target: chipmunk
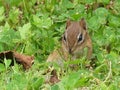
74, 40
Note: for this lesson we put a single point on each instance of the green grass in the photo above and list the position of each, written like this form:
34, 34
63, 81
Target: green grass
34, 28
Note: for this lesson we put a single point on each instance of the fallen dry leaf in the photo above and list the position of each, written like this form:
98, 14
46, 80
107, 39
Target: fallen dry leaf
25, 60
54, 78
51, 77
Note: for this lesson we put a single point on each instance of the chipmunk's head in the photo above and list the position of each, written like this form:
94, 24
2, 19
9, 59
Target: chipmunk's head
74, 35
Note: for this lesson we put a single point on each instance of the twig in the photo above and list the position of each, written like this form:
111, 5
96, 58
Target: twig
109, 73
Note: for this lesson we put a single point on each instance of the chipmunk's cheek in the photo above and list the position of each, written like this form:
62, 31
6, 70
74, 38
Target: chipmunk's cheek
64, 46
76, 50
73, 50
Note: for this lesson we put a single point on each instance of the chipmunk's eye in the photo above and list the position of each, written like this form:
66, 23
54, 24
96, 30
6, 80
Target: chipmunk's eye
80, 38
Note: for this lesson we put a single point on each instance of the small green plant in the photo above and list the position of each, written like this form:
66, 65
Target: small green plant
34, 27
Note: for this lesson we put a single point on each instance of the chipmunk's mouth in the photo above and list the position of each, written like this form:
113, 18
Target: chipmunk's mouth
70, 51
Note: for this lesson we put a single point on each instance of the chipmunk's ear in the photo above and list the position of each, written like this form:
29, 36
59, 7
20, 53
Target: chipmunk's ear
68, 23
83, 23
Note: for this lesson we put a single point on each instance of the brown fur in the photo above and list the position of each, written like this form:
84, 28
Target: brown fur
70, 44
